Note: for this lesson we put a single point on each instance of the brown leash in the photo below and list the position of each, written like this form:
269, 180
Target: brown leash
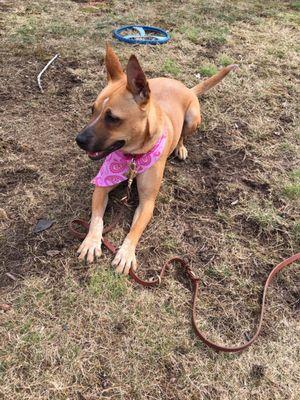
195, 284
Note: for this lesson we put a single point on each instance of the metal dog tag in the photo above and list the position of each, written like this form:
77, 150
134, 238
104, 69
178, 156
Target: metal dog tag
132, 172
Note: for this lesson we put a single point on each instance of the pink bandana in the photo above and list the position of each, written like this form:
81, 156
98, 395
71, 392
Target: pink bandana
116, 165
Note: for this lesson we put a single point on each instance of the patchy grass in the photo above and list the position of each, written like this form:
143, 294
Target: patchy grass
292, 191
265, 216
208, 70
216, 35
225, 60
170, 68
26, 32
81, 332
192, 33
295, 5
107, 282
60, 29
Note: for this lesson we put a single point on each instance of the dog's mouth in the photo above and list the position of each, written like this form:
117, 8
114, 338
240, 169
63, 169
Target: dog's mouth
97, 155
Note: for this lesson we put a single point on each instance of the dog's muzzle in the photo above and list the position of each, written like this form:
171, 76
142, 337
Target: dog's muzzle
86, 137
97, 155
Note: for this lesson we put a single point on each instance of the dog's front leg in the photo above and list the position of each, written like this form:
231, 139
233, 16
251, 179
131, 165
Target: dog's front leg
148, 185
90, 248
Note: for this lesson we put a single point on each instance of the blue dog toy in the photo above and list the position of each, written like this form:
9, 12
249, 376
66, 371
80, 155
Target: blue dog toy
141, 34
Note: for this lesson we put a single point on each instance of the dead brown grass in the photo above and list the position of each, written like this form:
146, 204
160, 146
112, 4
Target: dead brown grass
233, 208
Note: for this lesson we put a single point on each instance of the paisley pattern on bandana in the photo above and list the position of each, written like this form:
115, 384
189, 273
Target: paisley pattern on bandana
116, 165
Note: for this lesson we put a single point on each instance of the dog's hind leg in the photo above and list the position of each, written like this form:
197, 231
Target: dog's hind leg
192, 120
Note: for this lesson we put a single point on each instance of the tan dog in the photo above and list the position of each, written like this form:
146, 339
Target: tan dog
131, 112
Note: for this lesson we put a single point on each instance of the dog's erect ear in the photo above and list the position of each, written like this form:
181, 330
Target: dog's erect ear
136, 81
113, 65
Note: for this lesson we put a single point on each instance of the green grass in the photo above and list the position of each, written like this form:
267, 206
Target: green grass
216, 35
265, 215
107, 283
60, 29
192, 34
220, 271
296, 232
170, 243
208, 70
292, 191
279, 53
295, 174
287, 148
91, 10
225, 60
26, 33
170, 67
295, 5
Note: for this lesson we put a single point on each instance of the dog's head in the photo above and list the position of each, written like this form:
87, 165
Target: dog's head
120, 114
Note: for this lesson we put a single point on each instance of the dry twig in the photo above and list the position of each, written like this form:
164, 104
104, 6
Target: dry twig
43, 70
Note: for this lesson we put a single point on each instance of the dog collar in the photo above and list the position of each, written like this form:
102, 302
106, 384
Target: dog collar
115, 168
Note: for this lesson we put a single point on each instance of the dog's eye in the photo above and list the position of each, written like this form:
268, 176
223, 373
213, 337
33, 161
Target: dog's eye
110, 118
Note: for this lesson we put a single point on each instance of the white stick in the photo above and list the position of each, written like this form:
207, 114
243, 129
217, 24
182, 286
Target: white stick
43, 70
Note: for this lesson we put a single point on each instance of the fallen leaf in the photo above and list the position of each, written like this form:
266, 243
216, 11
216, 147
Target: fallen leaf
42, 225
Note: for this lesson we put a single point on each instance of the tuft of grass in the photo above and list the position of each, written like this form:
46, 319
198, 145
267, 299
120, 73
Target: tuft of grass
192, 34
216, 35
170, 67
295, 174
91, 10
295, 5
292, 190
107, 283
26, 33
287, 148
264, 216
225, 60
208, 70
61, 29
278, 53
170, 243
219, 271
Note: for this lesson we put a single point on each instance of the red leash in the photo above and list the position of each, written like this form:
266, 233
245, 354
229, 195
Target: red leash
195, 284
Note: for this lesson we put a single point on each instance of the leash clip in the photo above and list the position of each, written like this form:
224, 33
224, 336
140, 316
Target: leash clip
132, 173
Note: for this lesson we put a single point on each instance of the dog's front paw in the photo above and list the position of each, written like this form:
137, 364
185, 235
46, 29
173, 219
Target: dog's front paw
181, 152
90, 248
125, 258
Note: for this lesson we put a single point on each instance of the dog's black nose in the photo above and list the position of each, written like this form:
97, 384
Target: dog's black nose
83, 139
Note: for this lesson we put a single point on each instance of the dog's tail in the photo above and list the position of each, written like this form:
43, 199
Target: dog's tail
209, 83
